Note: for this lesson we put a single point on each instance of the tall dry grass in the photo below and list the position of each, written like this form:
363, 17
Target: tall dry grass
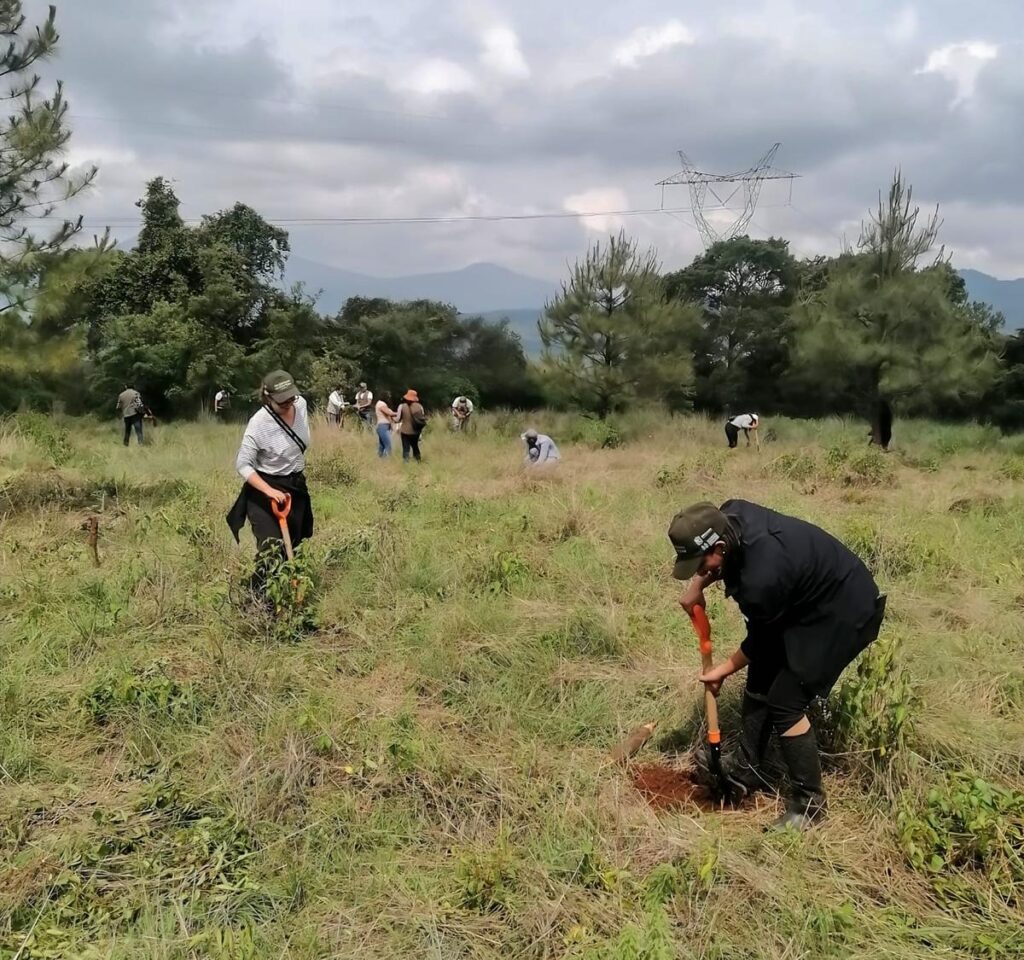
420, 772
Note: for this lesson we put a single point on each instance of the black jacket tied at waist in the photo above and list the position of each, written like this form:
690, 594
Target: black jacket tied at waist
255, 507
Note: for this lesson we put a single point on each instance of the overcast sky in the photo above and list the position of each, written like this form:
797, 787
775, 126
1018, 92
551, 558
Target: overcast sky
404, 108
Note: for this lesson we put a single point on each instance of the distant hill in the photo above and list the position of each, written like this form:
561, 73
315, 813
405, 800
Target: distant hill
478, 288
524, 322
1006, 296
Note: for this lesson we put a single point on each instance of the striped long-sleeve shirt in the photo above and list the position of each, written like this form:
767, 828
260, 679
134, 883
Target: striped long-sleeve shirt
266, 447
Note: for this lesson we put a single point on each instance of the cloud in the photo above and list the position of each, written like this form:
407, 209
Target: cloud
501, 53
395, 110
597, 200
961, 63
437, 76
904, 26
647, 41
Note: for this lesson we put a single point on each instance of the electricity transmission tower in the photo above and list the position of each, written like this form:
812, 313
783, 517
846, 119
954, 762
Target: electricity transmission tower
723, 187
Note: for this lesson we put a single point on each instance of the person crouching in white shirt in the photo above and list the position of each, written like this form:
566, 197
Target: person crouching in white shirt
748, 423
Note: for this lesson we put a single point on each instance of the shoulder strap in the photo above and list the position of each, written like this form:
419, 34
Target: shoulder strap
284, 426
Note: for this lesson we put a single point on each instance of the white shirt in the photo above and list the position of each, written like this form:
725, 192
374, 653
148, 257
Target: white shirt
335, 402
266, 447
745, 421
462, 404
219, 397
364, 398
547, 451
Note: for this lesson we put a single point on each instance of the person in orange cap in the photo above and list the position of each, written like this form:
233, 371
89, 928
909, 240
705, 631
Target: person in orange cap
411, 420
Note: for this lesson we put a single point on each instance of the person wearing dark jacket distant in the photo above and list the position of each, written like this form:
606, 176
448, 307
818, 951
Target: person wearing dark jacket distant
811, 607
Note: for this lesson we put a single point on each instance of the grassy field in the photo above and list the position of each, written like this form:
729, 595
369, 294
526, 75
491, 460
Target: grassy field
412, 764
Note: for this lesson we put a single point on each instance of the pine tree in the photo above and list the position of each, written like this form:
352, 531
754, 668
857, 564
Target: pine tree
34, 181
880, 330
612, 336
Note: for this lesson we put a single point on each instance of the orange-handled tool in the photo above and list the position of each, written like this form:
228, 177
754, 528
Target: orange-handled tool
282, 519
699, 619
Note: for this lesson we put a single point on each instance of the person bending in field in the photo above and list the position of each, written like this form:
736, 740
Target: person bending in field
462, 410
336, 406
272, 462
811, 607
748, 423
540, 449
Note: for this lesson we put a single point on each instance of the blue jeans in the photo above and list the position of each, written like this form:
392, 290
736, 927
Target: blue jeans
383, 439
135, 420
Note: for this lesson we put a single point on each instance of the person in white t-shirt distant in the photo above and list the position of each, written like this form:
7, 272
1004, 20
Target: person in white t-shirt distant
272, 462
748, 423
540, 449
364, 405
221, 402
462, 410
335, 406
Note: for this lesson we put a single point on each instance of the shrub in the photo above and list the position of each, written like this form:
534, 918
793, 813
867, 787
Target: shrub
505, 571
705, 467
600, 434
333, 469
148, 692
870, 716
793, 466
485, 880
967, 824
871, 468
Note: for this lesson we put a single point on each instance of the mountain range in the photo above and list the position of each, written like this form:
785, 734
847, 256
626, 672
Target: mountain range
492, 291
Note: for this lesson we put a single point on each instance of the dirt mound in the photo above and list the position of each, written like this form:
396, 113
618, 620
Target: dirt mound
668, 788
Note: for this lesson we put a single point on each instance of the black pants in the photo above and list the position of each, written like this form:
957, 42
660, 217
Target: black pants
135, 420
411, 444
732, 432
769, 677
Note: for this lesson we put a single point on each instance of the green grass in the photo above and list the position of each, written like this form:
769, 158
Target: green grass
414, 768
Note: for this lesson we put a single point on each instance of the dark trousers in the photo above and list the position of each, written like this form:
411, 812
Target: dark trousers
769, 677
411, 445
135, 420
770, 680
732, 432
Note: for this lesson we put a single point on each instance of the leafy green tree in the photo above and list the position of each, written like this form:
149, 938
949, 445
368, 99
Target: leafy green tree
612, 336
745, 289
1007, 407
171, 353
880, 329
161, 222
34, 181
264, 248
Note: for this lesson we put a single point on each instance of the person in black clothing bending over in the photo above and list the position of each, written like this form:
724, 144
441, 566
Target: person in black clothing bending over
811, 607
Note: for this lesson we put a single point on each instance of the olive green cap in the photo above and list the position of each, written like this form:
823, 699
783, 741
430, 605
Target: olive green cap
693, 532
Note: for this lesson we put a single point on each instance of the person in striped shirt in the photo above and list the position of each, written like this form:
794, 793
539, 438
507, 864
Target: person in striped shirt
272, 461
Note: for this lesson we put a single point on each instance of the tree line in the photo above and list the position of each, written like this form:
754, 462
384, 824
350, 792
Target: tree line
746, 326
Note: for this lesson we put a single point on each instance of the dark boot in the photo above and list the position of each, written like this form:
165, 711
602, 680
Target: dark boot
806, 803
743, 767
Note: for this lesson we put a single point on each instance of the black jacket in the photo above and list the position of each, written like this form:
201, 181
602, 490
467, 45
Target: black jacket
797, 584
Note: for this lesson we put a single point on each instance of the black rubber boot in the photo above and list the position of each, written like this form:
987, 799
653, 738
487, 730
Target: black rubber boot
806, 805
744, 766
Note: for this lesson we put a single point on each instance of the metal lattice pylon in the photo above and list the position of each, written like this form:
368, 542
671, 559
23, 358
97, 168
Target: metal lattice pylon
724, 187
